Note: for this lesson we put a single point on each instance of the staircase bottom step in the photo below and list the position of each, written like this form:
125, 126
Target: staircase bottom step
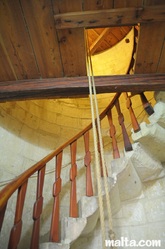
51, 245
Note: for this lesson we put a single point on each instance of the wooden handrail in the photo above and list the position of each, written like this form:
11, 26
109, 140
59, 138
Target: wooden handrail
20, 184
8, 190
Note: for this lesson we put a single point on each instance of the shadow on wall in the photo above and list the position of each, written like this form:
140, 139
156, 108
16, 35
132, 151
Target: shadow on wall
48, 123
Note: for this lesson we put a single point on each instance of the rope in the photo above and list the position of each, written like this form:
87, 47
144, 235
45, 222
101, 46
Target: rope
102, 155
98, 173
93, 101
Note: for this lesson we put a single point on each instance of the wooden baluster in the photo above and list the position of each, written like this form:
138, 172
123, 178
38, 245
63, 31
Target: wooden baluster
17, 228
37, 209
54, 232
135, 125
2, 214
147, 106
127, 143
112, 132
87, 161
73, 174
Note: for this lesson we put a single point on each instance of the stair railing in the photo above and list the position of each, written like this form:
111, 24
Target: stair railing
20, 183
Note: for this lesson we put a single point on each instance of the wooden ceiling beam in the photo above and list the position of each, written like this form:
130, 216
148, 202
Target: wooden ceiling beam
98, 41
78, 86
110, 17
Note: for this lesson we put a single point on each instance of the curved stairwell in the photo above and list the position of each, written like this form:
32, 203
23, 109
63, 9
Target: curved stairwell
127, 174
137, 166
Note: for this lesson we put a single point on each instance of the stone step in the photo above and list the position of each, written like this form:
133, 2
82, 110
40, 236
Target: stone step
159, 96
152, 137
71, 229
89, 209
113, 194
128, 181
146, 165
51, 245
159, 114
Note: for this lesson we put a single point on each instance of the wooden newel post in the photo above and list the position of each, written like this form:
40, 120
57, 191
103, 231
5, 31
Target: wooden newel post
54, 231
73, 174
127, 143
112, 132
87, 162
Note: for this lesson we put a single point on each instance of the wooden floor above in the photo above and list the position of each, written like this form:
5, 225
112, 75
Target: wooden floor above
45, 39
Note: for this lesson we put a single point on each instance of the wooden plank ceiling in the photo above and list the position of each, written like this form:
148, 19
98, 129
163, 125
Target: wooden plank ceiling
38, 42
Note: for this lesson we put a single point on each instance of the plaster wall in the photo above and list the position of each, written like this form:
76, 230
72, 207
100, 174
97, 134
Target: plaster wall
107, 62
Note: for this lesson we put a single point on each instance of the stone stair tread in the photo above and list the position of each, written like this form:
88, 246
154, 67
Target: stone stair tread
71, 229
128, 181
146, 165
152, 137
159, 114
89, 209
52, 245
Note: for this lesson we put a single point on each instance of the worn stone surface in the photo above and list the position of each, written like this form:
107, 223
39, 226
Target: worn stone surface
87, 206
89, 209
128, 180
152, 137
147, 167
71, 229
51, 245
140, 218
159, 96
159, 114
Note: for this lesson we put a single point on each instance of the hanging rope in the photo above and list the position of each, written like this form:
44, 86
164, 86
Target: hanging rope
94, 110
98, 173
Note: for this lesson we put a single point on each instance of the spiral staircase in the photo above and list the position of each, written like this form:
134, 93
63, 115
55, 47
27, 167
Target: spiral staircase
141, 162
